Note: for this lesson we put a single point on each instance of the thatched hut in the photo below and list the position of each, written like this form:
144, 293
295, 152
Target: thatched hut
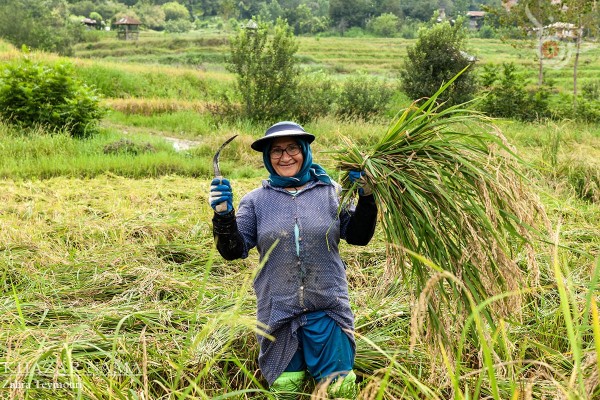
128, 28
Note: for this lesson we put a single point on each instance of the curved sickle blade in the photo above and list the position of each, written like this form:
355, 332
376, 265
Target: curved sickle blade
216, 169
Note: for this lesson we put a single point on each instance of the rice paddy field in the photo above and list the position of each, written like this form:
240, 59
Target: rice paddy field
112, 289
206, 51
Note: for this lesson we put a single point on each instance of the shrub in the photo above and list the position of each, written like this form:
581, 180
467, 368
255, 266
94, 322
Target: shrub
363, 97
315, 97
175, 11
385, 25
126, 146
409, 28
438, 56
585, 110
265, 69
34, 93
354, 32
506, 94
591, 90
178, 26
588, 111
486, 32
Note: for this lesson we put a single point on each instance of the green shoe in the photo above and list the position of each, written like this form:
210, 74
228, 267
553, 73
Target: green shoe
288, 385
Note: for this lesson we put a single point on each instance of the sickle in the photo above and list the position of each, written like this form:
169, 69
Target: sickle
216, 169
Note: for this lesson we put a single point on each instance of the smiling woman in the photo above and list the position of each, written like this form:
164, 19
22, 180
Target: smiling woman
294, 221
286, 157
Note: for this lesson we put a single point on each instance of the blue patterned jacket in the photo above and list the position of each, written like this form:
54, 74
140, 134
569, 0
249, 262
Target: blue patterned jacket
303, 271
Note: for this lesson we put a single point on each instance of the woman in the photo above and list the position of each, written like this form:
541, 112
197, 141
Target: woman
295, 222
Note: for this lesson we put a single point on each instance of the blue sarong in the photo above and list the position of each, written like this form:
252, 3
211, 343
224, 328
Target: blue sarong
323, 348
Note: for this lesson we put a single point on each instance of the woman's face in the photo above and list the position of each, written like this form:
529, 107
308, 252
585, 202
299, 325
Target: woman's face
286, 165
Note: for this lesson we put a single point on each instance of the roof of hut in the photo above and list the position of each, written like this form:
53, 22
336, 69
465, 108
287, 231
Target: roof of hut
128, 21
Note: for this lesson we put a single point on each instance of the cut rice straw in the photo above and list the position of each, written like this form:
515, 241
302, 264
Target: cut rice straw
450, 188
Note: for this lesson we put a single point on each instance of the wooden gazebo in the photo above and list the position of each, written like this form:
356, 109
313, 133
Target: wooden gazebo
128, 28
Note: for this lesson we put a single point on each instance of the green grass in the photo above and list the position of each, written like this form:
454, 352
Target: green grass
339, 55
111, 286
38, 155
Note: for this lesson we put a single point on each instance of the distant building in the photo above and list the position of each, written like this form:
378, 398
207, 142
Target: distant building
441, 15
90, 23
128, 28
475, 19
562, 30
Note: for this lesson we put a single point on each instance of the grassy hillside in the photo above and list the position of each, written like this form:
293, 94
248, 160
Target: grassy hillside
338, 55
112, 289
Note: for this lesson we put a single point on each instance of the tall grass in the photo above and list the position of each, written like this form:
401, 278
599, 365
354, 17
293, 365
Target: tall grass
111, 289
39, 154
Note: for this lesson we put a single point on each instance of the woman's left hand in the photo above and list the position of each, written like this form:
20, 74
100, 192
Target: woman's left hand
358, 178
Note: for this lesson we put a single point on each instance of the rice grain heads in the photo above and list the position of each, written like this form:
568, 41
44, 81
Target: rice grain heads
452, 199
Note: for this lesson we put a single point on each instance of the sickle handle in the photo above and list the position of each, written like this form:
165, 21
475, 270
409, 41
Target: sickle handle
221, 207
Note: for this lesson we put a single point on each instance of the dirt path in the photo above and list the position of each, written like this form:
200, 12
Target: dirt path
178, 143
181, 144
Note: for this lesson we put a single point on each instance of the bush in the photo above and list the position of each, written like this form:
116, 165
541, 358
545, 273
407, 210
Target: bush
126, 146
409, 28
585, 110
506, 94
354, 32
315, 97
385, 25
363, 97
266, 71
437, 56
178, 26
591, 90
37, 94
486, 32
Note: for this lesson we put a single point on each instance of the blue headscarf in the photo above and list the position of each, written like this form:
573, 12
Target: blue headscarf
307, 173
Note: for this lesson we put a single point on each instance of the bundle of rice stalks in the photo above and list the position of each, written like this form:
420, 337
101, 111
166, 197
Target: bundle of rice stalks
455, 209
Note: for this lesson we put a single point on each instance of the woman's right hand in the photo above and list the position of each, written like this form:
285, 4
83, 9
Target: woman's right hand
221, 196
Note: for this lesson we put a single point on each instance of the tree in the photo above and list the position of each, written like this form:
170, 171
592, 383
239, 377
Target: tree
419, 9
266, 71
350, 12
437, 56
207, 7
535, 16
389, 6
42, 25
583, 14
174, 11
153, 17
83, 8
109, 9
385, 25
270, 11
307, 22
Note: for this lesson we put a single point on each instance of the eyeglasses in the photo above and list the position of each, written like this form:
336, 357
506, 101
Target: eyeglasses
292, 150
